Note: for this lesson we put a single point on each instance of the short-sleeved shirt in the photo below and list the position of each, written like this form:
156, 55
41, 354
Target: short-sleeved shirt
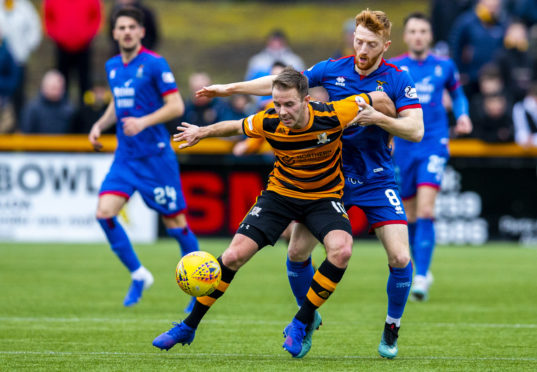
431, 76
366, 150
138, 89
308, 160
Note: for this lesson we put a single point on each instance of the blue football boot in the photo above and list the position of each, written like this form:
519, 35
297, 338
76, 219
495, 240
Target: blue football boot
294, 335
306, 344
179, 333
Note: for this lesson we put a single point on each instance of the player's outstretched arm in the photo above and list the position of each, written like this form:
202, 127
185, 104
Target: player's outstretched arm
192, 134
258, 87
105, 121
173, 107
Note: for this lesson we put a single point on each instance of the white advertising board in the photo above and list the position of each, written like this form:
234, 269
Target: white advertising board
47, 197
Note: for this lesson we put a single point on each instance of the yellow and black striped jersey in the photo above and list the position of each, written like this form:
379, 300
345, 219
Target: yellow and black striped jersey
308, 160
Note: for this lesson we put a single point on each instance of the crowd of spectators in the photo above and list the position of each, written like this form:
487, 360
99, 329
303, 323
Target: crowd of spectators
493, 42
494, 45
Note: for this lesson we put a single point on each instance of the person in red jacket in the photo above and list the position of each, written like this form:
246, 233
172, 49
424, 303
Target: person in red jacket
73, 24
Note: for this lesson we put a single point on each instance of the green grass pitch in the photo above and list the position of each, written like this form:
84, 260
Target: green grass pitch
61, 309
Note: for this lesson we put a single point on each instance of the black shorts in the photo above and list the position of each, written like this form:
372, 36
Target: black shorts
272, 213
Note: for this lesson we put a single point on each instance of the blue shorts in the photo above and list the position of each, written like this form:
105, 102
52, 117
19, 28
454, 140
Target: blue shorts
420, 168
156, 178
379, 199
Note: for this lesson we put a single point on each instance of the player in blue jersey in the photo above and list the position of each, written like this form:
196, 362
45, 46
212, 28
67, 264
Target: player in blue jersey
421, 164
367, 164
145, 96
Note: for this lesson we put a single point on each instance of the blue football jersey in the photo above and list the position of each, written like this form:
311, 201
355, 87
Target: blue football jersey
366, 150
138, 89
431, 75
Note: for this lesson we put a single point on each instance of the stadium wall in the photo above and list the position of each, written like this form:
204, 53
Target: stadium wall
49, 187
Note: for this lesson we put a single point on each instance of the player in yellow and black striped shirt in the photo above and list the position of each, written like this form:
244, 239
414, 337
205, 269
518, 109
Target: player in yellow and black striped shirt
306, 184
308, 161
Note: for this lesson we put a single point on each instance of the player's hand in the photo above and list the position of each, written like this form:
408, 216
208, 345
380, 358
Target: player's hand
93, 137
189, 133
132, 126
464, 125
366, 116
215, 90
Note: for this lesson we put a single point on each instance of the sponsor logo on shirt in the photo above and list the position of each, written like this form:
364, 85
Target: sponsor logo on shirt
425, 90
124, 91
125, 95
340, 81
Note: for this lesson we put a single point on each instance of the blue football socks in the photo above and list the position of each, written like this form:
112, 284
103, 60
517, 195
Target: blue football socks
300, 275
186, 239
398, 288
120, 243
423, 245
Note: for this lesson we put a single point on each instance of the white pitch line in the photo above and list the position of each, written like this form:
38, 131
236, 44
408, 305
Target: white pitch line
267, 356
247, 321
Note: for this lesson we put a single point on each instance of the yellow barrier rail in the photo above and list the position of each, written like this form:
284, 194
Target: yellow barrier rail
216, 146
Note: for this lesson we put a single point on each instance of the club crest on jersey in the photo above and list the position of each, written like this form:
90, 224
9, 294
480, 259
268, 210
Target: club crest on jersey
322, 138
340, 81
404, 68
112, 74
438, 70
380, 86
140, 71
410, 92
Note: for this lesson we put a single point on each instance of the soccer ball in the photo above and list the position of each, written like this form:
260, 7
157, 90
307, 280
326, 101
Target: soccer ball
198, 273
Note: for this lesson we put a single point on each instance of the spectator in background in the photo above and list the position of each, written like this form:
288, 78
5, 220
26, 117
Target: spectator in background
50, 112
238, 107
490, 79
475, 38
73, 24
276, 49
516, 65
525, 118
22, 30
492, 119
443, 15
490, 109
201, 110
95, 103
9, 79
347, 40
151, 38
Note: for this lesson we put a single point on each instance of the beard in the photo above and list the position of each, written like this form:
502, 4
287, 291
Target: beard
419, 51
371, 61
128, 49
